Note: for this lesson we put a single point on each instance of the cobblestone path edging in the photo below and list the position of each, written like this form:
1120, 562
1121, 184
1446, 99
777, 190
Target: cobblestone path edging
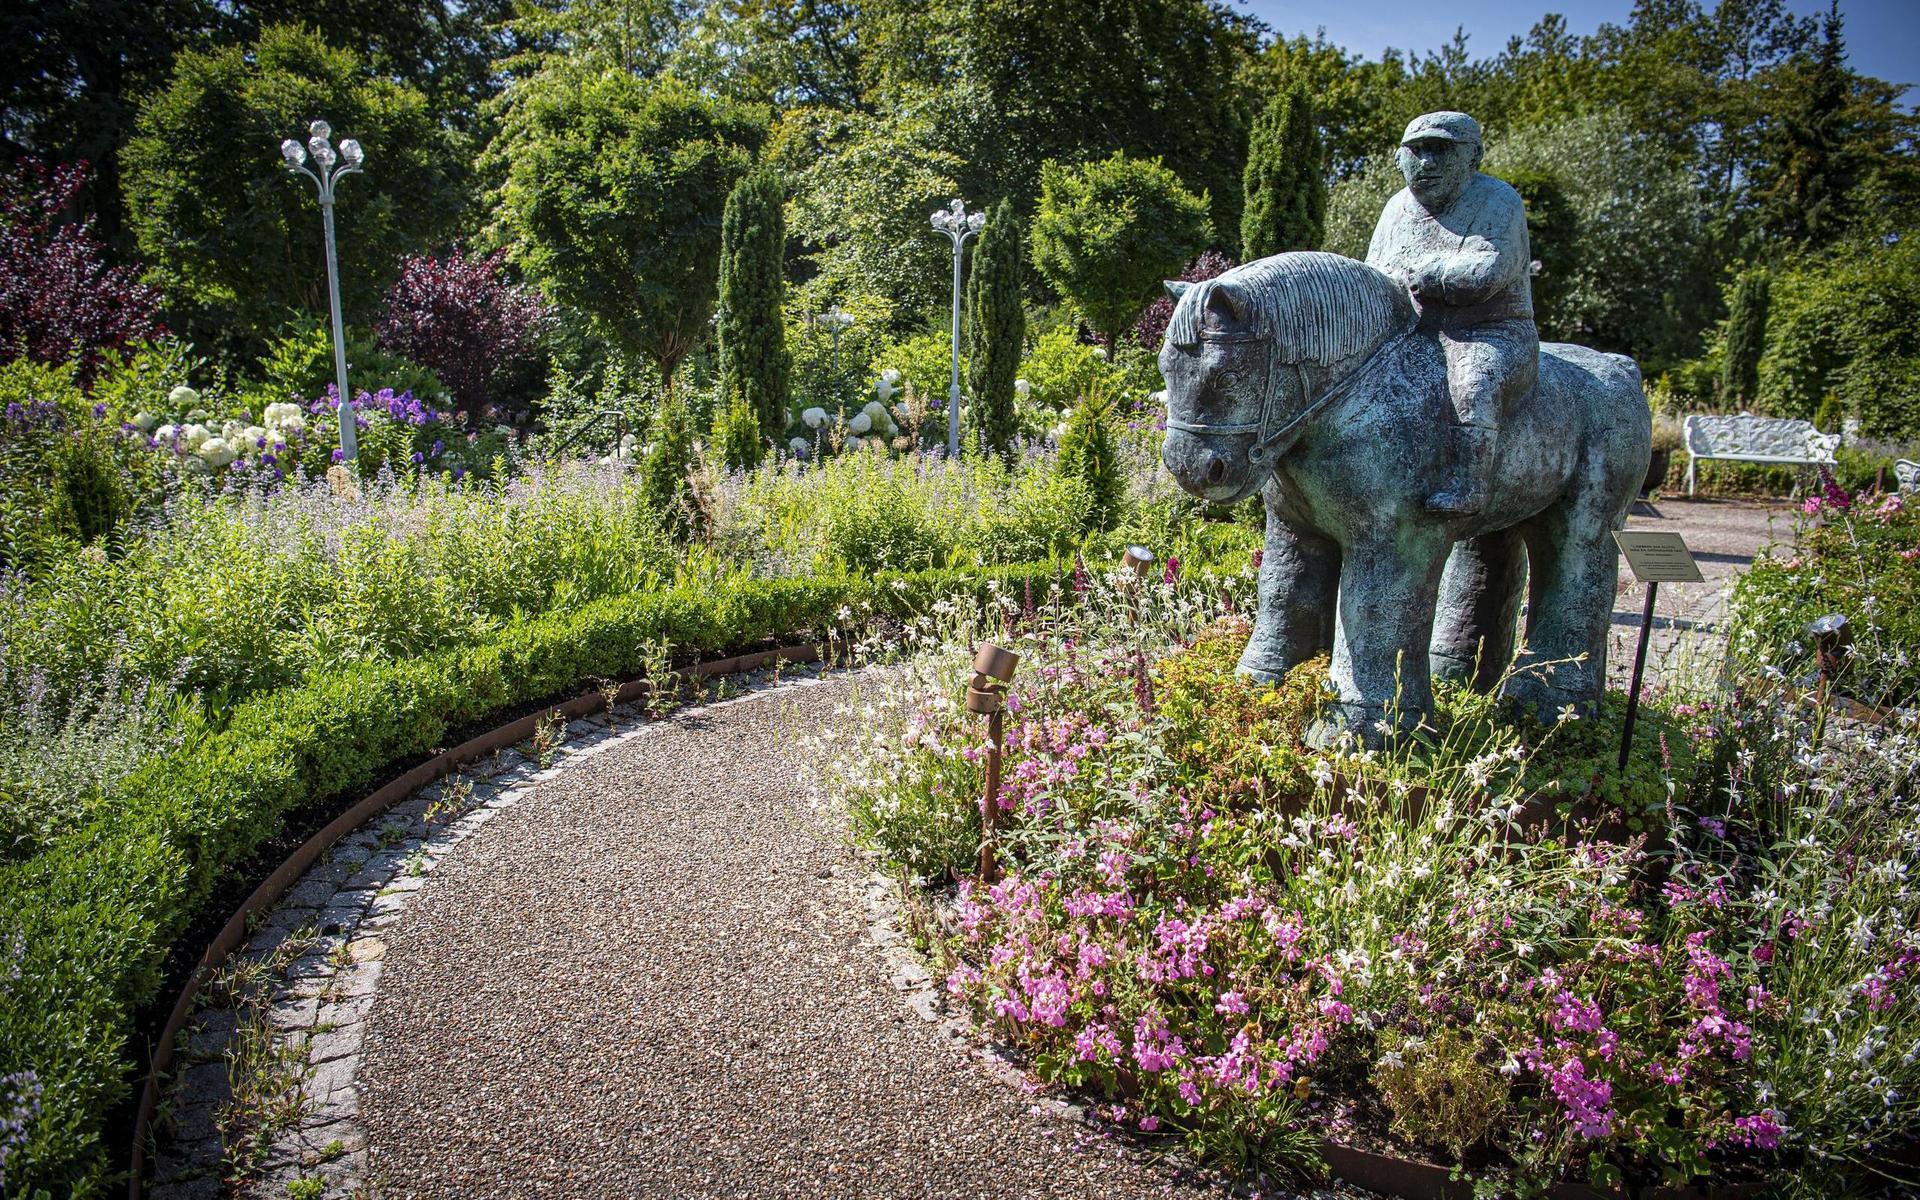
310, 971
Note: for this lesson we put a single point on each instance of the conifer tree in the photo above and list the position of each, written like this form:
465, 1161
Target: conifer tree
1286, 195
996, 328
669, 460
1746, 338
1089, 452
754, 362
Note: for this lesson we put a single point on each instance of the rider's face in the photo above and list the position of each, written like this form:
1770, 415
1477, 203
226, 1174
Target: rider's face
1436, 169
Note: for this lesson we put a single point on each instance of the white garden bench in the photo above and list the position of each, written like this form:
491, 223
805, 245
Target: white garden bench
1747, 438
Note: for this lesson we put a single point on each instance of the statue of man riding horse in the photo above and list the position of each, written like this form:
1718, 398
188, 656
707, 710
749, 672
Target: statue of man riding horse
1420, 453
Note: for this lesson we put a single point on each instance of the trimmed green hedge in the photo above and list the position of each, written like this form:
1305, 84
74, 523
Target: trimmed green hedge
88, 923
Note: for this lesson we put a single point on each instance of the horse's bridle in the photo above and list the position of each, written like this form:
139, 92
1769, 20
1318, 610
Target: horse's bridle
1269, 444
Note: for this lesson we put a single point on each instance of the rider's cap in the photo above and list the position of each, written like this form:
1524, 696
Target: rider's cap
1442, 127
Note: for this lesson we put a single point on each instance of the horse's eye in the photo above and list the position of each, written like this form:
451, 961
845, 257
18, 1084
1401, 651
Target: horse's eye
1229, 380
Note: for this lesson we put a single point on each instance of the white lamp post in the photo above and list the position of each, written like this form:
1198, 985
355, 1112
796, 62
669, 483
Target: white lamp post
958, 225
331, 167
835, 322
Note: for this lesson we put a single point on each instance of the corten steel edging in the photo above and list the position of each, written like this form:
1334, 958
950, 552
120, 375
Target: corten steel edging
234, 933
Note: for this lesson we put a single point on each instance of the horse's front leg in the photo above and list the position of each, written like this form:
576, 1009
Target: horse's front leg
1299, 574
1388, 589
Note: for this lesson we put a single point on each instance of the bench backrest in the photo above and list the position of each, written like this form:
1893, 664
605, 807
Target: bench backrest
1906, 475
1774, 437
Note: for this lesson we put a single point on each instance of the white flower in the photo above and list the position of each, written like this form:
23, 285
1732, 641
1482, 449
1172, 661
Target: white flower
215, 453
884, 390
167, 432
1567, 713
861, 423
182, 398
145, 421
799, 446
891, 376
1022, 388
193, 435
1323, 773
854, 443
814, 418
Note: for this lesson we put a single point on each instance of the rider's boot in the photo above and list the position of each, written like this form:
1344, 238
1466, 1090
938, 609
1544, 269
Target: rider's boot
1472, 473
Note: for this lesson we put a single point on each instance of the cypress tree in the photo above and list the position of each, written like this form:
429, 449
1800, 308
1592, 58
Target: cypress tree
1286, 196
1746, 337
996, 328
754, 363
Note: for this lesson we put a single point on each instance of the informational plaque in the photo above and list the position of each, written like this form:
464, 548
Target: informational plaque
1658, 556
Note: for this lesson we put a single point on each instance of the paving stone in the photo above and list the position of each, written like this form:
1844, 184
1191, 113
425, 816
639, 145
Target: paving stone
403, 882
367, 949
209, 1033
357, 980
330, 1077
350, 1010
205, 1083
294, 1012
309, 893
204, 1188
336, 1043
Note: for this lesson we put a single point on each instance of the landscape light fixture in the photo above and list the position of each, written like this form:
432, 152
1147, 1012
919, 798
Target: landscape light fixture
993, 668
328, 167
958, 224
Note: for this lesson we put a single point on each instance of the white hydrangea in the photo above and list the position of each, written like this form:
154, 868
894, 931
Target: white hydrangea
182, 398
814, 418
892, 376
145, 421
167, 432
285, 417
194, 435
861, 423
801, 447
854, 443
254, 435
884, 390
215, 453
876, 411
1022, 388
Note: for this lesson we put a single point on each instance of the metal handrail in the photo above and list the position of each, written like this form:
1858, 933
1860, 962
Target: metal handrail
619, 429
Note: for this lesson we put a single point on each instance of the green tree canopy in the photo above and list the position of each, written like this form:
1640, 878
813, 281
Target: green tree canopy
1843, 323
234, 238
754, 363
1286, 190
1108, 232
615, 192
996, 327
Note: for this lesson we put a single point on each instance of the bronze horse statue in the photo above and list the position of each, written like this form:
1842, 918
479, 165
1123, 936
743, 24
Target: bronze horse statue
1306, 378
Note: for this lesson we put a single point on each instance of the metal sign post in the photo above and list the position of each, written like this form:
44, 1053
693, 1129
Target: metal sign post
1655, 558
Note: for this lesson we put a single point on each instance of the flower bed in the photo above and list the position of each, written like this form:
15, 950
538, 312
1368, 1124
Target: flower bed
1199, 924
1860, 559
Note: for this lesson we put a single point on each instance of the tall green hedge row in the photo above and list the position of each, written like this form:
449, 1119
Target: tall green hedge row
86, 926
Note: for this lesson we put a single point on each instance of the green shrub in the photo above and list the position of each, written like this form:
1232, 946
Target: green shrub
1440, 1092
299, 366
1088, 452
663, 473
1059, 370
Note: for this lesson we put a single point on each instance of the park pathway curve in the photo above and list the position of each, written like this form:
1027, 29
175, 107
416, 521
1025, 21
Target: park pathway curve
653, 976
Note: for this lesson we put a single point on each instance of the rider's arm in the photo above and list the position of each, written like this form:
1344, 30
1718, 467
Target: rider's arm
1493, 258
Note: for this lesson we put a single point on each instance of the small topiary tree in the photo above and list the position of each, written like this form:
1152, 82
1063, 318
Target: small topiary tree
1286, 194
1090, 453
737, 433
1108, 232
754, 363
669, 460
1746, 337
996, 329
461, 317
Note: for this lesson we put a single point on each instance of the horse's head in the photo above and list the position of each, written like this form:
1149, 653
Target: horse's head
1250, 354
1217, 370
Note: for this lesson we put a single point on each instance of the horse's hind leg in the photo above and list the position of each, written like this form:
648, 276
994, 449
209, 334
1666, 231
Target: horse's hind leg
1474, 622
1299, 574
1575, 569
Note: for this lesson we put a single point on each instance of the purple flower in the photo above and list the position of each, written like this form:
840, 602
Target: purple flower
438, 446
418, 458
99, 412
339, 456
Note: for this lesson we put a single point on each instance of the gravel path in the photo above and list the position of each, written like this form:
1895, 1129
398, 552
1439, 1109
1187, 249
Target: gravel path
652, 978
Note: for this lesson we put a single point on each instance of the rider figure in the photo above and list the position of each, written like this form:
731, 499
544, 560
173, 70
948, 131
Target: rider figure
1457, 240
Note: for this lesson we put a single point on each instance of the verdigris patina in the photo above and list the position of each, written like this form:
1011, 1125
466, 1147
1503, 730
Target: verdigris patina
1335, 391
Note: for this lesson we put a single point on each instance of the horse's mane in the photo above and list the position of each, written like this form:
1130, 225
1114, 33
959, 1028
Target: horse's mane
1316, 307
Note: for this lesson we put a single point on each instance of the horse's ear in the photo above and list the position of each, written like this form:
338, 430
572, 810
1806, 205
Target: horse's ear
1230, 301
1176, 288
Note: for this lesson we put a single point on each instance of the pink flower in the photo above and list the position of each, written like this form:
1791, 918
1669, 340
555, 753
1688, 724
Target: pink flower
1589, 1102
1231, 1004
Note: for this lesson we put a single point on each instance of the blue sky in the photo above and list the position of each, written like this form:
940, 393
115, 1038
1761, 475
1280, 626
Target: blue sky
1882, 36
